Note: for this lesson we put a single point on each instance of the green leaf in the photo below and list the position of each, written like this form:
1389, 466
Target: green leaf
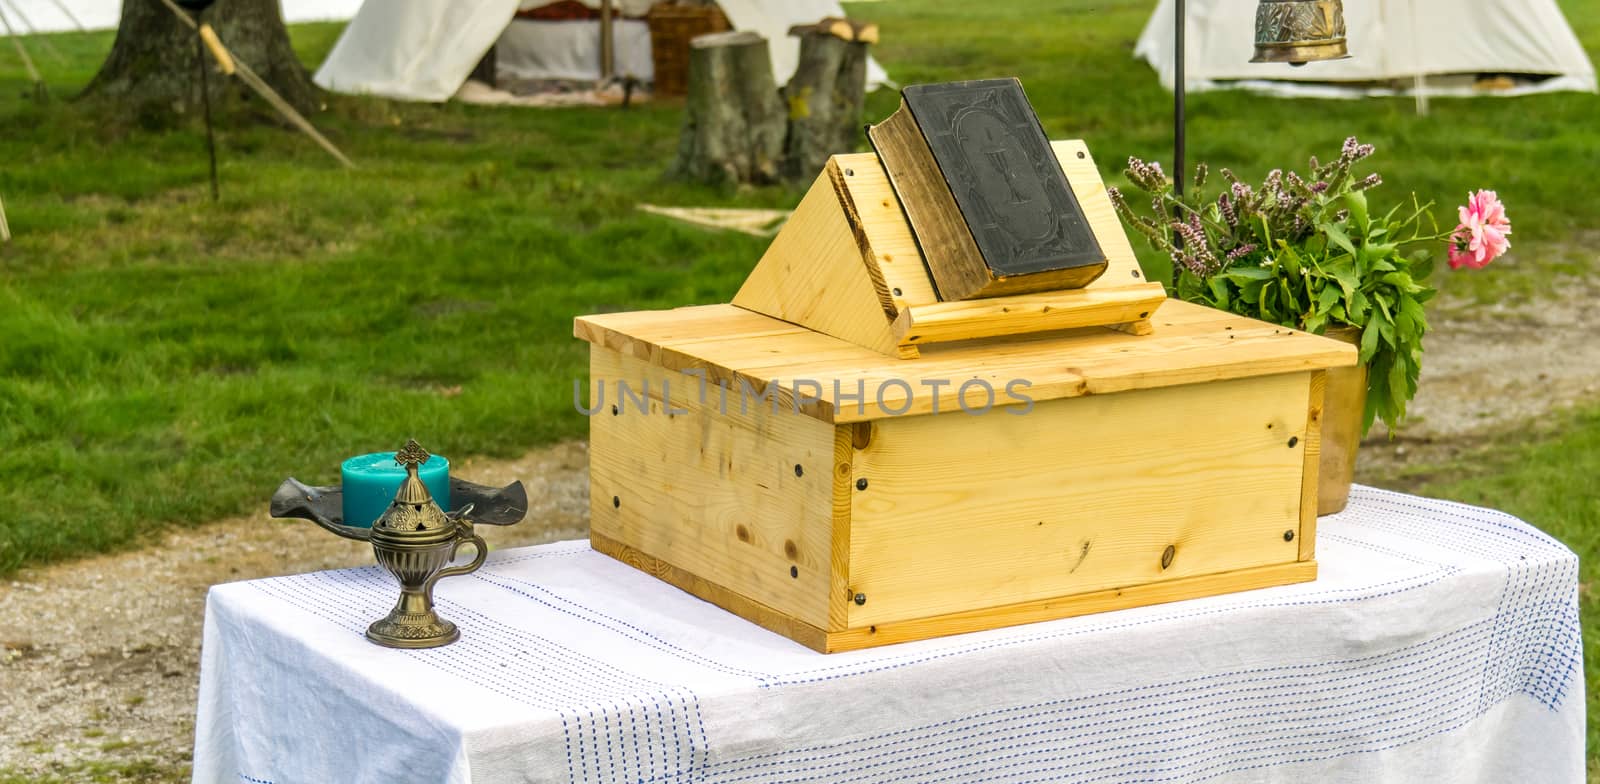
1243, 275
1405, 326
1422, 264
1315, 323
1290, 261
1219, 292
1401, 281
1369, 341
1327, 299
1357, 202
1345, 274
1359, 308
1337, 234
1397, 389
1412, 311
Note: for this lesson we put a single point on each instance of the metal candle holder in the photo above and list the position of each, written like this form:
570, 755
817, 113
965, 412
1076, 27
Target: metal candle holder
414, 540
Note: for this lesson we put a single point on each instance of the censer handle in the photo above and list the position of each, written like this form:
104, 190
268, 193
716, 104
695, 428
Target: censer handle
451, 571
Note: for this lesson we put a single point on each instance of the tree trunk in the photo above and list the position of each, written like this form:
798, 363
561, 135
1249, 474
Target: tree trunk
152, 64
734, 122
826, 97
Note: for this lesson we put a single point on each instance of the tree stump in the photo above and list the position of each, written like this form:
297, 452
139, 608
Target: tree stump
734, 122
152, 63
827, 94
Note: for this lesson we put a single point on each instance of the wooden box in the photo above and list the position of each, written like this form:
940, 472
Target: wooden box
804, 473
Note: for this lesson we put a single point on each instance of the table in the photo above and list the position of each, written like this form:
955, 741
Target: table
1440, 643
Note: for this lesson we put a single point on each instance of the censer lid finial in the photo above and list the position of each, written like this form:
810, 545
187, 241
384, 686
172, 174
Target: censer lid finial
414, 508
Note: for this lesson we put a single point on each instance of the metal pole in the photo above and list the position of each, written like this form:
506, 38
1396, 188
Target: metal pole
205, 99
1177, 101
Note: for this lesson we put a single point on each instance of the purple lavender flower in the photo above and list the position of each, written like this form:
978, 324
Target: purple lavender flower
1370, 181
1354, 150
1240, 252
1229, 214
1147, 175
1199, 258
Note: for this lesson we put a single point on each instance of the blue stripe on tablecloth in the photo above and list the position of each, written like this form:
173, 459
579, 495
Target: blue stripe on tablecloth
620, 726
1250, 719
1158, 615
1196, 727
617, 726
544, 596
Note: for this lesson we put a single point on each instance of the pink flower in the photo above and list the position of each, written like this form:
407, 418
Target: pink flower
1481, 236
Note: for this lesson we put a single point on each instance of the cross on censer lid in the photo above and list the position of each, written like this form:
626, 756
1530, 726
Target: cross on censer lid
413, 508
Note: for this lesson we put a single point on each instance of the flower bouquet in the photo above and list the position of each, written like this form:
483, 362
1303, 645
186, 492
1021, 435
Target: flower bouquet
1310, 252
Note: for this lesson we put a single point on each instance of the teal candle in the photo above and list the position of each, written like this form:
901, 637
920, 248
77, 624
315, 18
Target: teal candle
371, 481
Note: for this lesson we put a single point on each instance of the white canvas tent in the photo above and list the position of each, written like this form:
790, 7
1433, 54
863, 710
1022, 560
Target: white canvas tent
59, 16
423, 50
1391, 42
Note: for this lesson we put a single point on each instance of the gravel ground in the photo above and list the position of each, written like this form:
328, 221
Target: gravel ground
99, 657
1490, 370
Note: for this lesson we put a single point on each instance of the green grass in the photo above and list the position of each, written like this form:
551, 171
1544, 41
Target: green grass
132, 772
1075, 59
166, 360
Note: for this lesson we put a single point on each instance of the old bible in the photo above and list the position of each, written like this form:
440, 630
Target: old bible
986, 199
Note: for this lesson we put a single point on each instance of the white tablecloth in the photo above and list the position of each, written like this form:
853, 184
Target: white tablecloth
1439, 644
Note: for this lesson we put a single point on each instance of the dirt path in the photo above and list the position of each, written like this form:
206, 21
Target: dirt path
99, 665
1489, 370
99, 658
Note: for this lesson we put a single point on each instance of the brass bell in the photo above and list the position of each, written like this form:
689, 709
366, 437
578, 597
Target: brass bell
1299, 31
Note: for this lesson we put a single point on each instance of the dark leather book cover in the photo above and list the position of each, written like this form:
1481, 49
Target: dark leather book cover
1013, 196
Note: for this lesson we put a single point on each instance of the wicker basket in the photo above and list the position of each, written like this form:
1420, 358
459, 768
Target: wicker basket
671, 29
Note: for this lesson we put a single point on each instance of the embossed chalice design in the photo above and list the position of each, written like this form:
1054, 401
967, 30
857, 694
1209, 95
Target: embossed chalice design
414, 541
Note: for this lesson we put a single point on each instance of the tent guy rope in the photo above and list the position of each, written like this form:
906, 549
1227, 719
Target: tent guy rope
27, 62
29, 28
68, 12
256, 83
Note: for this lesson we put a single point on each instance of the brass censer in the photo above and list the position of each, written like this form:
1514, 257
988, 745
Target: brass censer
414, 541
